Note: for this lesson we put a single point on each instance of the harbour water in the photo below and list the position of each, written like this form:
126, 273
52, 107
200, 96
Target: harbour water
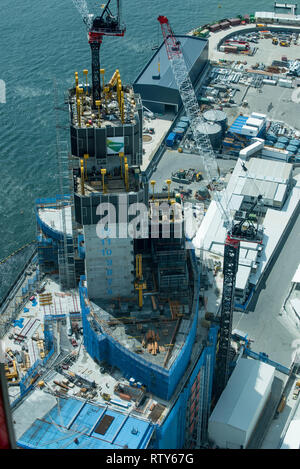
44, 40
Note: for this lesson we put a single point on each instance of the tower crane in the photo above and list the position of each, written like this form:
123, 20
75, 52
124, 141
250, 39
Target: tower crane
105, 24
244, 230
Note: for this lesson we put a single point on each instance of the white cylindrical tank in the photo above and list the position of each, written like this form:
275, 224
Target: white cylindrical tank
269, 82
213, 131
218, 117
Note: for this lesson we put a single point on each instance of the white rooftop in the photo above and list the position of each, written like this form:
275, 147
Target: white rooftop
268, 170
242, 277
212, 233
161, 128
278, 16
292, 436
295, 303
296, 278
245, 390
53, 218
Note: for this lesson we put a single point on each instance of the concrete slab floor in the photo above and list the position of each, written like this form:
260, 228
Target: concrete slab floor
151, 142
277, 102
36, 405
172, 161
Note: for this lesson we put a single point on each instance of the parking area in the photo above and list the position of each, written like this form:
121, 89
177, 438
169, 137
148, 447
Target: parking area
265, 50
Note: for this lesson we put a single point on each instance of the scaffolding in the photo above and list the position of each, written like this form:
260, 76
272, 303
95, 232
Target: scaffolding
13, 301
67, 246
171, 259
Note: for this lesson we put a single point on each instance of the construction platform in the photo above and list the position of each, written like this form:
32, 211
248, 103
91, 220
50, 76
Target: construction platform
110, 111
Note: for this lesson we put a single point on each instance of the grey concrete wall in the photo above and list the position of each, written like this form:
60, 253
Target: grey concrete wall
109, 265
86, 206
93, 140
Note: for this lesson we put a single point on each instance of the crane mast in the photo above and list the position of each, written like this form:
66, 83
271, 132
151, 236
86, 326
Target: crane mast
190, 103
106, 24
235, 232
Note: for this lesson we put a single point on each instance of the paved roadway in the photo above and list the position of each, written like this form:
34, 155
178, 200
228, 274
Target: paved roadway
267, 415
263, 323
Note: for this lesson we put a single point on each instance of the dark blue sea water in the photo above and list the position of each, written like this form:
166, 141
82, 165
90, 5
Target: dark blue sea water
43, 39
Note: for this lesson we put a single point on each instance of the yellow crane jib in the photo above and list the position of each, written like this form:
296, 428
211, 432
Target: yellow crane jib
78, 112
140, 285
86, 157
82, 177
80, 95
168, 182
121, 155
103, 172
119, 89
152, 184
98, 104
114, 79
85, 73
126, 177
76, 83
122, 107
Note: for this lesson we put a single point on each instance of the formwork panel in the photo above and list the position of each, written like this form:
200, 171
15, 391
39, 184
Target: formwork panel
132, 433
87, 418
64, 412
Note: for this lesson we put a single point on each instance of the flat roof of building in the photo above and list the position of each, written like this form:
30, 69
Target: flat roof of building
296, 278
262, 169
53, 217
292, 436
242, 277
238, 404
270, 15
192, 48
212, 232
75, 424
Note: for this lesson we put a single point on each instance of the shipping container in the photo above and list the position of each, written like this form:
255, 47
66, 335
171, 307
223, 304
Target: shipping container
204, 33
291, 149
224, 25
283, 139
269, 82
179, 132
170, 140
271, 136
285, 83
214, 27
249, 131
229, 49
275, 153
182, 124
238, 45
295, 142
234, 21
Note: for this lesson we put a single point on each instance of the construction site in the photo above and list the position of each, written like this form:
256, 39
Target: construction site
125, 329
